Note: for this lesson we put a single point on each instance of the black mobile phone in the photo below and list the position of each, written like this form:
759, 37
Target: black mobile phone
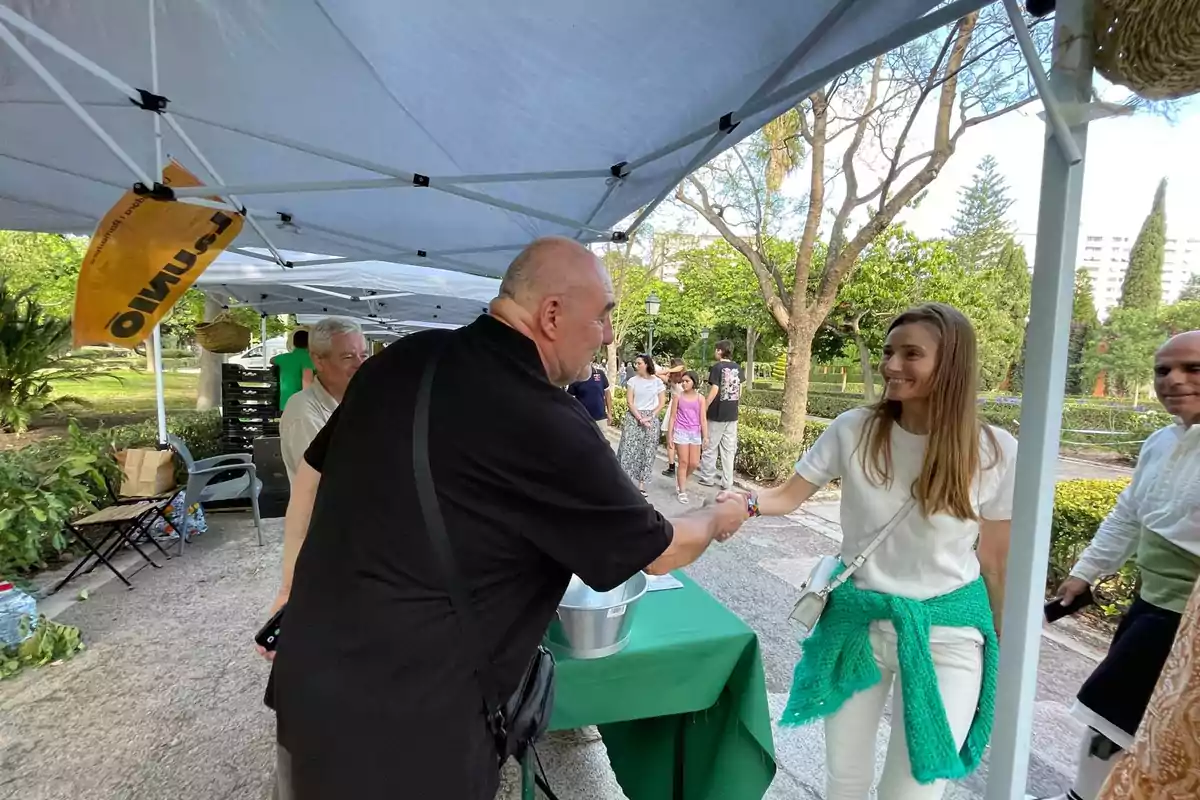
1055, 610
268, 637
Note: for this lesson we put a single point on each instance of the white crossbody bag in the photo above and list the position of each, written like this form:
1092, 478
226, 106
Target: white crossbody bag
815, 591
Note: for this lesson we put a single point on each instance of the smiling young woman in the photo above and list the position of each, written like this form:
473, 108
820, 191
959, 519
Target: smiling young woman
924, 606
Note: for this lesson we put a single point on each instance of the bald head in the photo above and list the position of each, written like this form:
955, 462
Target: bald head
549, 266
1177, 376
558, 293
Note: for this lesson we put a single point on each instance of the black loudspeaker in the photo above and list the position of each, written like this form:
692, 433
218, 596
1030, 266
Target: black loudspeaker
268, 461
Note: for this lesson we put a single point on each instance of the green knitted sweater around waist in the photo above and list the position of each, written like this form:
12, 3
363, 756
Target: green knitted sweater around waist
837, 662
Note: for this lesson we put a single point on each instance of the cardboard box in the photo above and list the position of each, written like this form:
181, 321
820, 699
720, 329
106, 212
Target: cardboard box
147, 473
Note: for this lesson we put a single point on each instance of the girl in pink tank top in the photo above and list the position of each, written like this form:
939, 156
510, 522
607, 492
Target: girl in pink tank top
688, 430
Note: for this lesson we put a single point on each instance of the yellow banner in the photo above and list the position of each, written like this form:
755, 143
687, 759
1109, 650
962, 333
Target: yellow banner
144, 255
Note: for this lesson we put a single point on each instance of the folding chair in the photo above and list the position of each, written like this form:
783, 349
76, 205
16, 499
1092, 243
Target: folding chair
202, 486
118, 521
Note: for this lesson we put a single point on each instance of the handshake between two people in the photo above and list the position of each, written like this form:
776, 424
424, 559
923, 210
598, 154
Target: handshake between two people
731, 509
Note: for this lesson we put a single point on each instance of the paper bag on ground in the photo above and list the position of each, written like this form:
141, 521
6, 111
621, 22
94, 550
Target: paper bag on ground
147, 472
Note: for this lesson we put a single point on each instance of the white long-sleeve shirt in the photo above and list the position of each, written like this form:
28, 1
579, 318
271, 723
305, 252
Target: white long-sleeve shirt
1164, 497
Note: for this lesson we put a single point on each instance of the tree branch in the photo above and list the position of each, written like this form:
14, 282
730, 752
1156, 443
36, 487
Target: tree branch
773, 298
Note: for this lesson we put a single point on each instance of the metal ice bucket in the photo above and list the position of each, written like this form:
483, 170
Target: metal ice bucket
591, 624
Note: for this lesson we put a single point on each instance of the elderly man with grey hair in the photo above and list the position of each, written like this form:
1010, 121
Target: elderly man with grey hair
338, 349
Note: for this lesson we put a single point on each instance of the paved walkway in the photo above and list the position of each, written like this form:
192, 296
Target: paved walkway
166, 701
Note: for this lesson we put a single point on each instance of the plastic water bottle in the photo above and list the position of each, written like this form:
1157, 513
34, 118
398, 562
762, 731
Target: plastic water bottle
14, 605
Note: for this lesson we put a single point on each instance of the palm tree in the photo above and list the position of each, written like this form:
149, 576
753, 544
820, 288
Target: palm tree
34, 355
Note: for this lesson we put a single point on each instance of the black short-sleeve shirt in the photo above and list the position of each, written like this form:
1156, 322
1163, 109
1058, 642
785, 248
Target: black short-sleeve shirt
374, 688
727, 377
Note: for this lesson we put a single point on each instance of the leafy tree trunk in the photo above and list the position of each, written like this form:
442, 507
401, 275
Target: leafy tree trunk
149, 345
864, 358
208, 393
751, 343
795, 383
611, 364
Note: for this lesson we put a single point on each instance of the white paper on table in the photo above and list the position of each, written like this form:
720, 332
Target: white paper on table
658, 583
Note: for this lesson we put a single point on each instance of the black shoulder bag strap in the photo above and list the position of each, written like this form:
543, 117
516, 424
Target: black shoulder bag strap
436, 527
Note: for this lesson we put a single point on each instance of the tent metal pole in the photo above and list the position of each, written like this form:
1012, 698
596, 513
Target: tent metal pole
613, 182
392, 248
53, 84
1062, 134
22, 24
160, 395
386, 169
285, 187
515, 207
262, 331
1041, 410
242, 251
62, 171
317, 290
798, 53
190, 145
49, 207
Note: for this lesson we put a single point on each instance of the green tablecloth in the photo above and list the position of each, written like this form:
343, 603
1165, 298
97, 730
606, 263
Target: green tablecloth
682, 709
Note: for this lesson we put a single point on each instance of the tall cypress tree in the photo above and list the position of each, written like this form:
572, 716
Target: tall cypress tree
1142, 287
1085, 331
981, 228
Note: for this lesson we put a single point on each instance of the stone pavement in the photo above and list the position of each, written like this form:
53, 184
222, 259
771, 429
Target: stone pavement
166, 700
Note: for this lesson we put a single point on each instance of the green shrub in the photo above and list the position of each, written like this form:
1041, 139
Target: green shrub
1079, 508
758, 418
42, 487
35, 353
763, 398
200, 430
766, 456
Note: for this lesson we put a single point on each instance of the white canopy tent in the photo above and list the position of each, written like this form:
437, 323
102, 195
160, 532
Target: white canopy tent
389, 300
451, 135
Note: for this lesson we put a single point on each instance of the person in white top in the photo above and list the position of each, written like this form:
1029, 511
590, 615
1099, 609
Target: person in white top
338, 349
645, 394
921, 465
1158, 518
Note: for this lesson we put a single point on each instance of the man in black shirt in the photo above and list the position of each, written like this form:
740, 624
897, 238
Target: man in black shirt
595, 395
373, 685
724, 393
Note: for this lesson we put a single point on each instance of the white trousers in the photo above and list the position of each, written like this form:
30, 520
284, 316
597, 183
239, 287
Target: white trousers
722, 438
850, 734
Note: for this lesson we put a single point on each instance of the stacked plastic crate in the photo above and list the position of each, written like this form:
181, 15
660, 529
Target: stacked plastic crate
249, 405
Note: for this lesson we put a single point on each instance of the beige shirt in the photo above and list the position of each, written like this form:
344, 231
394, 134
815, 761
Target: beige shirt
306, 413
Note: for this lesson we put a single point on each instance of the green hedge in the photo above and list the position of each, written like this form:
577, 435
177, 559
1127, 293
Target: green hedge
44, 485
1081, 416
1079, 508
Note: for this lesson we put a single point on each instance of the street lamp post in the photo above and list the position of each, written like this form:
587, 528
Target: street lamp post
704, 345
652, 303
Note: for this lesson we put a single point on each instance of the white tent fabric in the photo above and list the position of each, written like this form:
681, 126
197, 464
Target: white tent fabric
517, 117
386, 298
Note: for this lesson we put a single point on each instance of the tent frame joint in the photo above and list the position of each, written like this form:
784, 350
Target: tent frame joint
150, 101
421, 181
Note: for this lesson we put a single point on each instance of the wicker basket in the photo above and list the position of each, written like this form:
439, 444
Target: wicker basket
1149, 46
223, 335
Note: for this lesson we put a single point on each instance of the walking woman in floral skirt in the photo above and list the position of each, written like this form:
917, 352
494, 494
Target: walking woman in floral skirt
645, 394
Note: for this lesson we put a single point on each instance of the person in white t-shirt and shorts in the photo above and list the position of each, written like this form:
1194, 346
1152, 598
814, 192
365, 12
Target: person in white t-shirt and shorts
920, 465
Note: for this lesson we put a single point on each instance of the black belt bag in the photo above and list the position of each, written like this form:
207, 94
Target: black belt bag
519, 721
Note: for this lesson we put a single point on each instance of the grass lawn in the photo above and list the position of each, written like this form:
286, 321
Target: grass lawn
128, 392
125, 398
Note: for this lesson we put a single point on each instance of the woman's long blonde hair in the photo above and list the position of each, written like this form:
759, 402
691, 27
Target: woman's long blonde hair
952, 457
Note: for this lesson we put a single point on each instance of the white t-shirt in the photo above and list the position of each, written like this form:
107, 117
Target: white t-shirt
923, 557
645, 392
